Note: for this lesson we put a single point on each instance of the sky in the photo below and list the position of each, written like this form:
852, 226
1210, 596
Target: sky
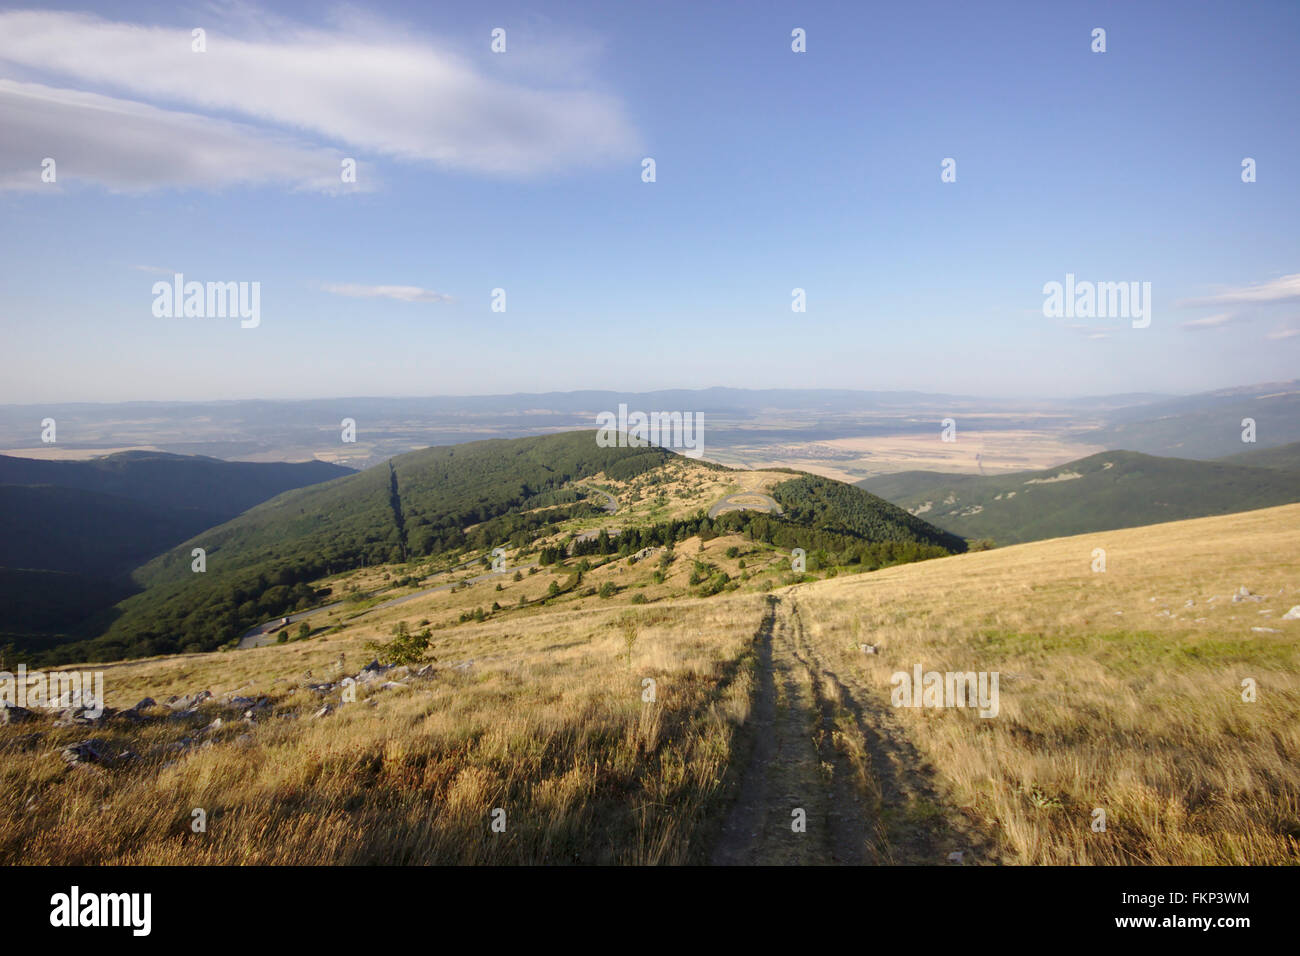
523, 171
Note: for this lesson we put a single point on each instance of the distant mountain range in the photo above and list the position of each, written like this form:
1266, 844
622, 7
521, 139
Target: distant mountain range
1113, 489
1204, 426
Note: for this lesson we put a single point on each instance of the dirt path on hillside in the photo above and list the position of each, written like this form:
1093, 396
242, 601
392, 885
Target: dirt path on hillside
867, 795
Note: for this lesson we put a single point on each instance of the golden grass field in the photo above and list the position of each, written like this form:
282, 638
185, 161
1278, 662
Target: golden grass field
1114, 695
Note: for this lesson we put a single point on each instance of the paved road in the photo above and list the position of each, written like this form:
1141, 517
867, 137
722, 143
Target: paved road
766, 503
611, 503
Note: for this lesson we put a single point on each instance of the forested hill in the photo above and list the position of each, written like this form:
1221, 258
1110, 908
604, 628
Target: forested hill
165, 481
71, 532
832, 506
260, 563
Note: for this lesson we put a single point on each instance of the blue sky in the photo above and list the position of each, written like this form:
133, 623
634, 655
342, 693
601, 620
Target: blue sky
522, 170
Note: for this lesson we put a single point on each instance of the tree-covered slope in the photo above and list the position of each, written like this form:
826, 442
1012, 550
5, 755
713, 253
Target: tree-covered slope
71, 532
1284, 457
163, 480
260, 564
832, 506
1114, 489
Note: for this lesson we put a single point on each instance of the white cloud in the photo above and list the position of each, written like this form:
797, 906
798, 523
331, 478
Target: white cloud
1275, 290
373, 88
132, 147
1282, 333
402, 293
1210, 321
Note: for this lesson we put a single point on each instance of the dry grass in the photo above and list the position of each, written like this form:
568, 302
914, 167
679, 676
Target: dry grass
1114, 694
548, 725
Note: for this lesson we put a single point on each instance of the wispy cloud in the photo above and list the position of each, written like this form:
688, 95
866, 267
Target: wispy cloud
1211, 321
133, 147
1282, 334
402, 293
366, 87
1275, 290
1089, 331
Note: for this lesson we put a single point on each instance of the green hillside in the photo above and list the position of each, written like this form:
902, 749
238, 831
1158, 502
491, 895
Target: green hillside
261, 563
452, 502
1284, 458
71, 532
836, 508
1114, 489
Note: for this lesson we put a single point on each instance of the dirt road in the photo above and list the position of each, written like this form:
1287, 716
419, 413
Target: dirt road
864, 792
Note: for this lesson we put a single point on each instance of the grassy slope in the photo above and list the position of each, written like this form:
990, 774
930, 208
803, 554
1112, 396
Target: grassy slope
1114, 692
1136, 490
1138, 712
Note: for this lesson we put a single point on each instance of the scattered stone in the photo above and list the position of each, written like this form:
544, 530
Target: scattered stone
427, 669
145, 704
213, 727
323, 712
391, 685
1244, 594
244, 740
91, 750
1190, 603
1293, 614
868, 648
13, 714
1266, 630
956, 856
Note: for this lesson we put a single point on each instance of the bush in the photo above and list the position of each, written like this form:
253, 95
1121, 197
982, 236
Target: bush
405, 647
608, 589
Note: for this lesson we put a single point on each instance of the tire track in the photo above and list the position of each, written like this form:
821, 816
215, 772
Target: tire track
868, 794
